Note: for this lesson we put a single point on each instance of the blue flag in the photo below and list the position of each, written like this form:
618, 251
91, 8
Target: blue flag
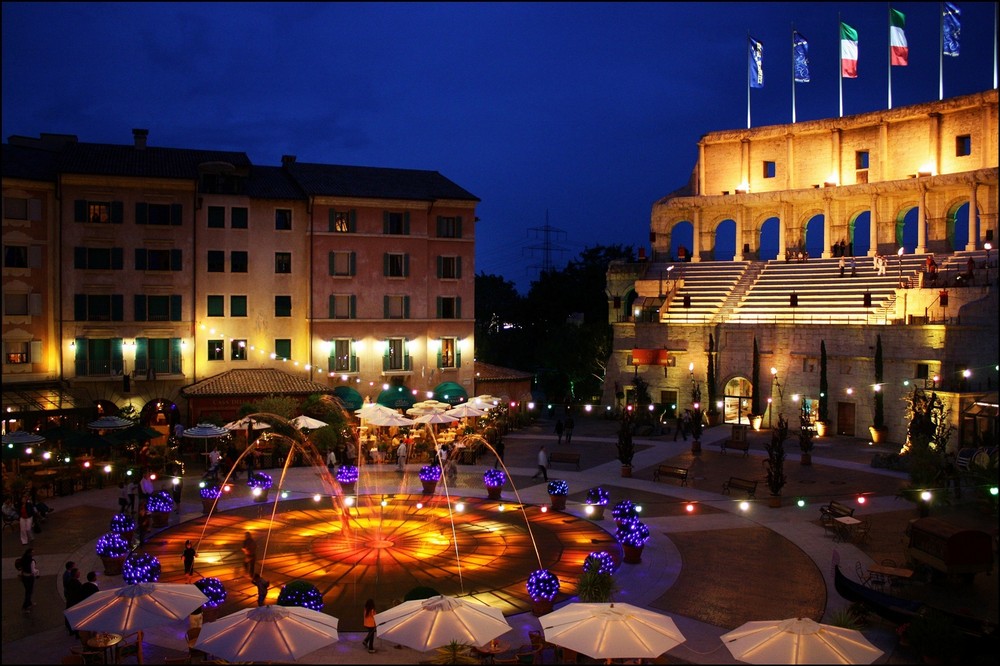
800, 56
951, 26
756, 63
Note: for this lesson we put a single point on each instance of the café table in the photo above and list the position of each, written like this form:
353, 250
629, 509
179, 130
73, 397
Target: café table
891, 575
846, 525
32, 464
489, 651
45, 478
106, 642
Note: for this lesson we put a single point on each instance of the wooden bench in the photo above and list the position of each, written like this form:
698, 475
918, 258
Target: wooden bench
565, 457
736, 483
743, 446
669, 470
834, 510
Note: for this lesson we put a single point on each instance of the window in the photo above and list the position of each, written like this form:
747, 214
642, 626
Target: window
158, 308
216, 261
237, 306
449, 307
15, 208
15, 256
105, 307
809, 364
282, 306
238, 217
396, 307
449, 356
158, 214
216, 217
449, 268
216, 350
963, 145
923, 371
449, 227
98, 356
283, 348
396, 356
97, 258
283, 219
22, 305
282, 262
158, 260
216, 306
396, 264
18, 353
861, 159
343, 222
341, 263
769, 169
396, 224
342, 358
342, 306
158, 355
238, 350
98, 212
238, 261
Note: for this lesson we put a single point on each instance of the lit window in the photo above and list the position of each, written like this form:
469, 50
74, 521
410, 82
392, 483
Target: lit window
238, 350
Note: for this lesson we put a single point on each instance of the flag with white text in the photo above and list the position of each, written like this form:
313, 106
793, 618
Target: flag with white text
800, 55
951, 26
756, 63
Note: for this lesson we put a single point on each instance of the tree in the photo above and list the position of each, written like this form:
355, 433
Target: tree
712, 395
878, 418
823, 387
755, 381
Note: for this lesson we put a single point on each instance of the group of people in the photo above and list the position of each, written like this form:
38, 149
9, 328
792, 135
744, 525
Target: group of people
842, 264
880, 262
565, 428
29, 512
75, 590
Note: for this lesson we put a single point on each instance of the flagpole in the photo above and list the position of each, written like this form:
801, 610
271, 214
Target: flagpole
793, 73
748, 79
840, 63
941, 54
996, 15
888, 55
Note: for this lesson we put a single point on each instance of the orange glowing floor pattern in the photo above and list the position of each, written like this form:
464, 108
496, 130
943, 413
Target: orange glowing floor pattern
387, 551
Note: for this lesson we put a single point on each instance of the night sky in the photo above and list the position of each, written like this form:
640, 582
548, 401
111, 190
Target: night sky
573, 115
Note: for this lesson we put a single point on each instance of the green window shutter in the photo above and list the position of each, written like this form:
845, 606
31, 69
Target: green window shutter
79, 257
385, 358
81, 357
331, 216
407, 361
329, 262
141, 213
353, 367
331, 310
175, 356
385, 222
176, 214
406, 307
117, 258
458, 227
117, 212
406, 224
352, 224
140, 307
352, 264
458, 267
141, 355
117, 307
385, 264
458, 307
140, 259
440, 267
385, 307
80, 211
439, 355
80, 307
117, 358
440, 232
176, 307
458, 354
176, 259
438, 301
354, 307
406, 265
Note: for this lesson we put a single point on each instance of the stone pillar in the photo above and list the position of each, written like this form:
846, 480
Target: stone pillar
701, 169
827, 235
973, 210
695, 240
873, 227
786, 211
922, 222
790, 161
740, 219
835, 155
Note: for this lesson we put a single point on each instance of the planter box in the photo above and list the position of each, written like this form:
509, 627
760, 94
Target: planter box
541, 607
206, 505
262, 497
626, 471
631, 554
113, 565
598, 513
349, 488
493, 492
558, 502
430, 487
161, 518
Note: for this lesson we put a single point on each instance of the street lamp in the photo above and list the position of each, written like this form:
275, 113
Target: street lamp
899, 253
695, 389
988, 247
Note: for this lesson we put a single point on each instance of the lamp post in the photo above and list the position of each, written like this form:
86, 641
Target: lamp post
695, 389
899, 253
988, 247
770, 398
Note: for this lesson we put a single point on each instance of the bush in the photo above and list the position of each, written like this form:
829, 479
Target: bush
494, 478
347, 474
210, 492
260, 480
161, 501
430, 473
558, 487
301, 593
141, 568
112, 544
213, 589
543, 585
122, 522
598, 495
632, 533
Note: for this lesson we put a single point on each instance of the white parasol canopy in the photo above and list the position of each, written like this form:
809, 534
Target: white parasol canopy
135, 607
435, 417
303, 422
241, 424
268, 634
390, 419
798, 641
611, 630
424, 624
464, 411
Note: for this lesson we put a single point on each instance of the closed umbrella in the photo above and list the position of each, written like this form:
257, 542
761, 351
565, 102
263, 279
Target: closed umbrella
425, 624
611, 631
268, 633
110, 423
798, 641
134, 607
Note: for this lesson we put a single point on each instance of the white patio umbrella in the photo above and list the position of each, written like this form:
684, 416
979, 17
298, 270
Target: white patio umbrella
241, 424
268, 633
464, 411
425, 624
303, 422
369, 409
135, 607
798, 641
22, 438
436, 417
611, 631
390, 419
110, 423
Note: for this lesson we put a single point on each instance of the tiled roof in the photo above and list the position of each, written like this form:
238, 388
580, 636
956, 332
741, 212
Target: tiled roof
28, 163
268, 182
375, 182
262, 381
486, 372
149, 162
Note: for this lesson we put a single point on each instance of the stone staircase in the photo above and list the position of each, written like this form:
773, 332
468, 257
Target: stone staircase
747, 280
704, 289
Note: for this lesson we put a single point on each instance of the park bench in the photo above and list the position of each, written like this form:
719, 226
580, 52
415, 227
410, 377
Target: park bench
669, 470
565, 457
739, 445
833, 510
736, 483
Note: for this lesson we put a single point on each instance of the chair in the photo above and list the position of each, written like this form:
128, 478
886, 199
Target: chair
861, 531
533, 656
864, 577
131, 646
88, 654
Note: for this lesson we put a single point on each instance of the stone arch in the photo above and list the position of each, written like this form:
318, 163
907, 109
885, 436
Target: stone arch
160, 412
724, 240
814, 235
858, 233
736, 399
681, 233
769, 238
956, 224
906, 216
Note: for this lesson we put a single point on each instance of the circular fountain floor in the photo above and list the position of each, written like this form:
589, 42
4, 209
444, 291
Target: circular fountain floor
383, 552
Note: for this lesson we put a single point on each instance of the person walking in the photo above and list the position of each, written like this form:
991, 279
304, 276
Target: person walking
559, 430
331, 460
570, 424
369, 622
854, 268
401, 456
188, 555
841, 265
27, 570
262, 586
26, 518
686, 424
543, 464
249, 553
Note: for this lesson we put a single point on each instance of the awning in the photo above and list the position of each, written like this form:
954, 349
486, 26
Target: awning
450, 392
650, 356
352, 399
396, 397
41, 401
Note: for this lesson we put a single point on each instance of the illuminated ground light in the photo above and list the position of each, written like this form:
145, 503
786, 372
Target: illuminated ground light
861, 499
689, 507
744, 505
800, 503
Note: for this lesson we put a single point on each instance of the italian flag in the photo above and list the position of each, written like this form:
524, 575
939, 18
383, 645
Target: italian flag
848, 51
899, 52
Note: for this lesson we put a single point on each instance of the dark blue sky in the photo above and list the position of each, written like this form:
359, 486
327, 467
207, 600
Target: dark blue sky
585, 112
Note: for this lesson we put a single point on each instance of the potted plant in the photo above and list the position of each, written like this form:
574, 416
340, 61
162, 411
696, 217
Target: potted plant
260, 483
301, 593
494, 479
543, 586
805, 440
697, 424
632, 534
878, 429
141, 568
597, 499
558, 490
823, 418
599, 562
596, 587
347, 477
713, 410
454, 652
209, 496
159, 505
124, 524
216, 593
774, 465
112, 549
624, 511
626, 447
429, 477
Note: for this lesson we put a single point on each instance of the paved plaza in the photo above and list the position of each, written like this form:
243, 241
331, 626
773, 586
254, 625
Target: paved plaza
710, 564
